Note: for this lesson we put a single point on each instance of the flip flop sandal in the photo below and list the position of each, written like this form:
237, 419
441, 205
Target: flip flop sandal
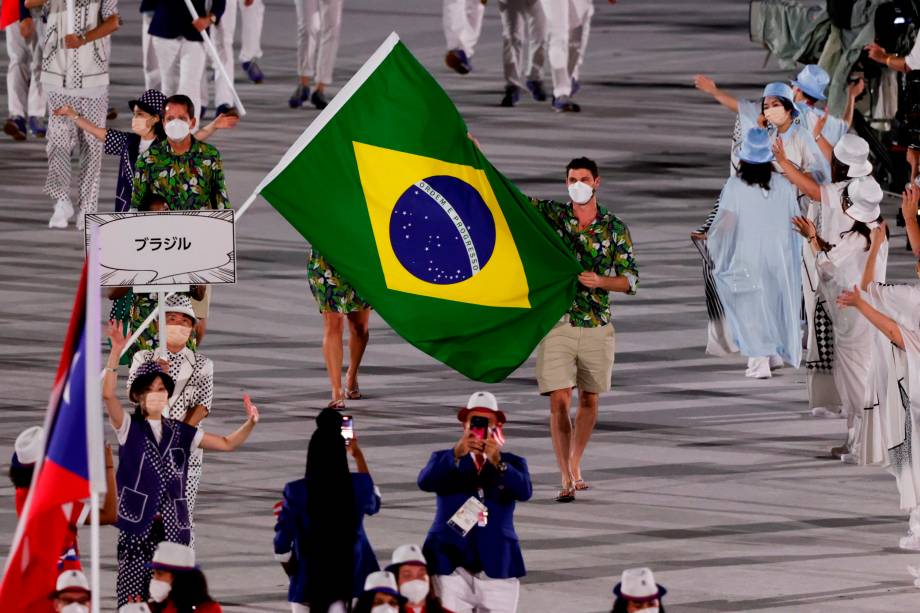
581, 485
565, 495
354, 394
336, 404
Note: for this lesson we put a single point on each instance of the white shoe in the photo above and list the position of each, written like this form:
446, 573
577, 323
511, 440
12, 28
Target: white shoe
911, 542
825, 412
776, 362
849, 458
81, 220
758, 368
63, 211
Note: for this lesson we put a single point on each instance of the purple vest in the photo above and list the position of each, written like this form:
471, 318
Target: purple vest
151, 477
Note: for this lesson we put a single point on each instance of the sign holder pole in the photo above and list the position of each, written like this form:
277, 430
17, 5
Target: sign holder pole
161, 326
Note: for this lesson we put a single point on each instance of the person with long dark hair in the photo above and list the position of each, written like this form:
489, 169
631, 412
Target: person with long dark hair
637, 592
319, 536
153, 466
410, 568
756, 260
178, 585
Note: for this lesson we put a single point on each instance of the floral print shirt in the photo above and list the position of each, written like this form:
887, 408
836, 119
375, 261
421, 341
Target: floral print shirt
192, 180
604, 247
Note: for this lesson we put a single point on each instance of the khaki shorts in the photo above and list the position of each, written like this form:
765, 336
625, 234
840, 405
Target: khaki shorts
202, 307
576, 357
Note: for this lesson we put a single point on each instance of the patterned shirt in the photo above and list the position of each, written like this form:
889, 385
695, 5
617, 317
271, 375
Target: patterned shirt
604, 247
132, 309
126, 145
192, 180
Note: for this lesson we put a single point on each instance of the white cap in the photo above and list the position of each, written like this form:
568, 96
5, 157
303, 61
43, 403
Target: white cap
72, 581
173, 556
381, 581
854, 152
483, 400
638, 584
30, 444
408, 554
180, 303
865, 195
134, 607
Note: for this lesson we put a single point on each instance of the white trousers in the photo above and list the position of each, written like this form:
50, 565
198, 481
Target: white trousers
63, 137
152, 78
462, 592
518, 17
462, 24
25, 94
337, 607
222, 35
319, 23
252, 17
568, 23
182, 65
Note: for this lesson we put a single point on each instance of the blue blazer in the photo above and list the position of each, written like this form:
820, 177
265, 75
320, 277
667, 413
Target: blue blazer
494, 548
291, 533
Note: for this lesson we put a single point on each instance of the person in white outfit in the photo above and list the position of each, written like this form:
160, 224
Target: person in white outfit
25, 94
462, 21
252, 13
520, 17
179, 46
152, 79
75, 72
568, 24
319, 23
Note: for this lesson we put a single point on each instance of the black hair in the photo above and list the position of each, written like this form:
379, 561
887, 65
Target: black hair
787, 104
433, 602
142, 383
839, 170
619, 606
863, 230
151, 199
366, 603
756, 174
21, 474
189, 590
158, 132
332, 517
582, 163
811, 100
183, 100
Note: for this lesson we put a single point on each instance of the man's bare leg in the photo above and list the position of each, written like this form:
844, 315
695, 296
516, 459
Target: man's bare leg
560, 427
585, 419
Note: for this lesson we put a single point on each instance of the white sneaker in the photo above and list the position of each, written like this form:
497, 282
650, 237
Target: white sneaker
825, 412
81, 220
776, 362
911, 542
63, 211
758, 368
849, 458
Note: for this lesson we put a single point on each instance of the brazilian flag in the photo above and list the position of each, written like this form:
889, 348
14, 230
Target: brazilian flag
387, 185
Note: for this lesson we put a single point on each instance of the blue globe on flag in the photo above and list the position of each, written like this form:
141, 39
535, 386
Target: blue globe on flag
441, 230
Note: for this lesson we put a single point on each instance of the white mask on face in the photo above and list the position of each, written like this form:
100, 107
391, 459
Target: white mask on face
384, 608
159, 590
777, 115
75, 607
139, 125
415, 590
156, 401
177, 129
177, 335
580, 192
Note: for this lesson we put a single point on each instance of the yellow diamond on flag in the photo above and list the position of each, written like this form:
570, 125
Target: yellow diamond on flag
439, 230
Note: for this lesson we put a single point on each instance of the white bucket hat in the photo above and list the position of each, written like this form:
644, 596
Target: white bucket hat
173, 556
71, 581
406, 554
864, 196
638, 585
180, 303
29, 445
382, 581
854, 152
134, 607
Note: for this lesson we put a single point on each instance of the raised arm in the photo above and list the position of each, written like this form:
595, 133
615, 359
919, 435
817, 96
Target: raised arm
885, 324
909, 201
708, 86
81, 122
892, 61
232, 441
110, 399
877, 238
355, 450
801, 180
854, 90
221, 122
826, 149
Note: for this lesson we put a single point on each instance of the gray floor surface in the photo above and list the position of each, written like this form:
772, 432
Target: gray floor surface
721, 484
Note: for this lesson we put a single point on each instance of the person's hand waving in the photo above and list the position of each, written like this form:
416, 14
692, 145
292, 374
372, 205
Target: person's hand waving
252, 411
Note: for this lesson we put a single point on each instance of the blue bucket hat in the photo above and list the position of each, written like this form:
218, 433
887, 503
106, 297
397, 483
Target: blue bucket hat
813, 81
756, 147
778, 89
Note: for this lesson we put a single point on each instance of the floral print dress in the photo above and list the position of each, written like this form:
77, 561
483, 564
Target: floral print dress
333, 294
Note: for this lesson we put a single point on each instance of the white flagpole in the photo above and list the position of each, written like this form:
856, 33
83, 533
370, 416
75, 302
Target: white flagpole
94, 435
140, 330
212, 50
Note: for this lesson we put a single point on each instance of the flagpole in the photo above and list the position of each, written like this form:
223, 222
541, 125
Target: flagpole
94, 434
217, 61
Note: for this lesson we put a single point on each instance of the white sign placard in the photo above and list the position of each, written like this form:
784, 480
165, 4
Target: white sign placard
166, 248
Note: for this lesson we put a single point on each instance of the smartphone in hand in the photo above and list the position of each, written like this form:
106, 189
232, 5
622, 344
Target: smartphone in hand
479, 425
348, 429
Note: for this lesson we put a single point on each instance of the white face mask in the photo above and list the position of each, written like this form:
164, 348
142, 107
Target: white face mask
580, 192
177, 335
75, 607
177, 129
384, 608
415, 590
159, 590
777, 115
139, 125
156, 402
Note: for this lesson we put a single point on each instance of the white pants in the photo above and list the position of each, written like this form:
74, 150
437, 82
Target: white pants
516, 16
337, 607
63, 137
222, 35
568, 23
252, 17
181, 64
25, 94
148, 57
318, 25
462, 24
462, 592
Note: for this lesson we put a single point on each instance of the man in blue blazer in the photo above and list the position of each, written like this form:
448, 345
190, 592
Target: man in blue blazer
472, 547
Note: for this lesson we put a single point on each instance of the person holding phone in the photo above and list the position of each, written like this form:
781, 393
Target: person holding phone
319, 534
472, 547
